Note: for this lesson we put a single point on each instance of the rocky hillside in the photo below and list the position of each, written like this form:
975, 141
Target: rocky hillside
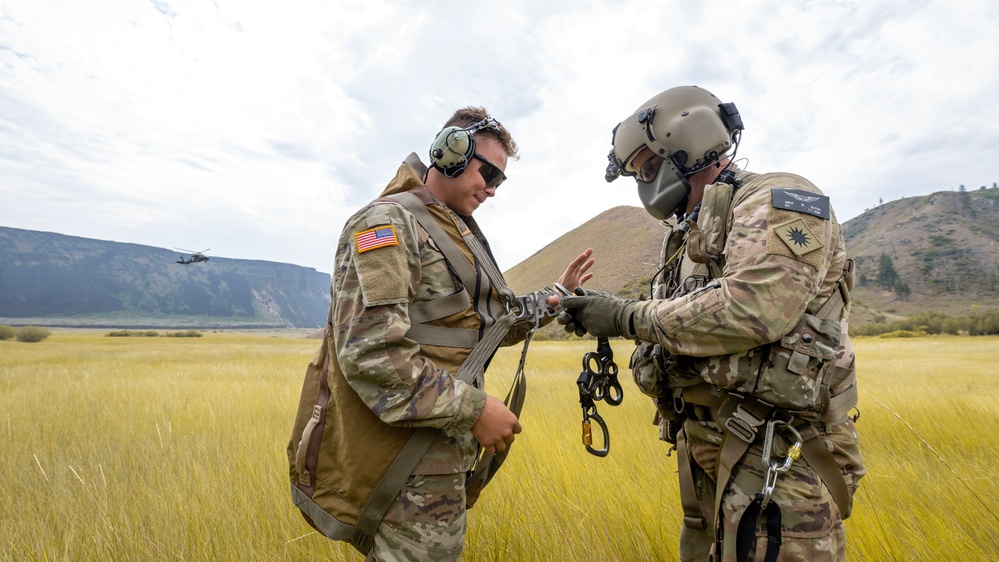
59, 280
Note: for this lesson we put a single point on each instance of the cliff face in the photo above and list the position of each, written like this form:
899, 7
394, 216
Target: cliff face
80, 281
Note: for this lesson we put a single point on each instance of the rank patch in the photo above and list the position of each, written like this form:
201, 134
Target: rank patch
796, 236
375, 238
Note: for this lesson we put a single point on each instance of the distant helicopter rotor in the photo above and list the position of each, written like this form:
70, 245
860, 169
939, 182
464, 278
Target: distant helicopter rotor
195, 257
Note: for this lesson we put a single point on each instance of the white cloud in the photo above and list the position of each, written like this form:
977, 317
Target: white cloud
256, 128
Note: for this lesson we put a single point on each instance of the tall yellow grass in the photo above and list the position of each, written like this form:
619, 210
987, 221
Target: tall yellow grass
173, 449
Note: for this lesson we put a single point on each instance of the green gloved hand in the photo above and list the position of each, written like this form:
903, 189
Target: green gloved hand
599, 314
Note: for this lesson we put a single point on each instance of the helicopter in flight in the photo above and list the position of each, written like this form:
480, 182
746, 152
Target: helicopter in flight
194, 258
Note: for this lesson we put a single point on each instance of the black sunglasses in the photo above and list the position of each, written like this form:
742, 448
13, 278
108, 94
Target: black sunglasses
489, 171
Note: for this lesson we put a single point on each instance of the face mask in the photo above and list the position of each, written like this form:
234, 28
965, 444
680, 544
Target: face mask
665, 193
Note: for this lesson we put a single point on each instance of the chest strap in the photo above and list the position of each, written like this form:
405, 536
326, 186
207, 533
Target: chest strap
469, 275
361, 535
496, 329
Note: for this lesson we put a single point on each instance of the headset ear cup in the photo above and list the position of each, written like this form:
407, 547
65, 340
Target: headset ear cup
451, 151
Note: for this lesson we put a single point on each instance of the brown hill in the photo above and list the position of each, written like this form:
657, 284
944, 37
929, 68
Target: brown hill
942, 246
626, 245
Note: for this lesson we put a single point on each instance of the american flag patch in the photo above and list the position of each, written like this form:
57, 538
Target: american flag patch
375, 238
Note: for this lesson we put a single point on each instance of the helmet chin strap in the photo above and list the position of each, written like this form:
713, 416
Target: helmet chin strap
667, 193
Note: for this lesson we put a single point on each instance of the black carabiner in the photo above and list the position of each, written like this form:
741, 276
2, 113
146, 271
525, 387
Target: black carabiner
588, 433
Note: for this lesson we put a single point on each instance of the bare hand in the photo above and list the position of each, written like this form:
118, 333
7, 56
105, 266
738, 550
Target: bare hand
576, 274
496, 426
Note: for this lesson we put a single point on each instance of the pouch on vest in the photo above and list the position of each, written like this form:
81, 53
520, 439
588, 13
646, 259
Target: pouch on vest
792, 377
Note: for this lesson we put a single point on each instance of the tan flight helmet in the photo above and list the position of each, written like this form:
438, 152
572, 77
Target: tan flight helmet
689, 128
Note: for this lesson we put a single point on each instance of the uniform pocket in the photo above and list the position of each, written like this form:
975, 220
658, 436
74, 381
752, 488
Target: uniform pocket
792, 377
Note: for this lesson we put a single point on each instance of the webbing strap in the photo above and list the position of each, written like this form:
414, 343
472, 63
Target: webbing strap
733, 447
465, 270
389, 486
443, 336
489, 463
839, 298
746, 536
822, 462
436, 309
693, 514
457, 260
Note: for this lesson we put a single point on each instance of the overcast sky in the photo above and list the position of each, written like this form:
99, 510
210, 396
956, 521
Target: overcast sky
256, 128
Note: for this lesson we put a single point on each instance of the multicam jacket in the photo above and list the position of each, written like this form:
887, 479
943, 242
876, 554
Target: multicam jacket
777, 253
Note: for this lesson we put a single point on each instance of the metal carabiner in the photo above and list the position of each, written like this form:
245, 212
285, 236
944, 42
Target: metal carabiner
588, 433
534, 306
775, 467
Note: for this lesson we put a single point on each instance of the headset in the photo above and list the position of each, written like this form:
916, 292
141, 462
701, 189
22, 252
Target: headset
453, 147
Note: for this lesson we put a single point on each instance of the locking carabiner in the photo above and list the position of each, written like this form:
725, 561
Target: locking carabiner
592, 414
775, 467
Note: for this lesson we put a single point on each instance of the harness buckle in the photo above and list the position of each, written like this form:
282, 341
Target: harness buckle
743, 424
534, 306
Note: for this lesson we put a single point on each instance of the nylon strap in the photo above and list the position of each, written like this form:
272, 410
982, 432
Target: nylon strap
732, 449
746, 536
436, 309
822, 462
466, 271
693, 512
488, 464
361, 535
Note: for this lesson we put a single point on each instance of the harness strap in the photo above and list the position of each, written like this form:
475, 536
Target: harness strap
749, 412
741, 416
747, 530
467, 272
443, 336
422, 312
489, 463
693, 511
822, 462
361, 535
840, 298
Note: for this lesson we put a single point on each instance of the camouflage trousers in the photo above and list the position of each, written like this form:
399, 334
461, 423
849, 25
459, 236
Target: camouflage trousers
811, 524
425, 523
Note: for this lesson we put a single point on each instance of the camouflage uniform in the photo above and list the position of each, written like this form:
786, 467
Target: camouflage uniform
720, 324
384, 383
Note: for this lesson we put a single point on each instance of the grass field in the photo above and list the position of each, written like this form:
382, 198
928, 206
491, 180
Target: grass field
173, 449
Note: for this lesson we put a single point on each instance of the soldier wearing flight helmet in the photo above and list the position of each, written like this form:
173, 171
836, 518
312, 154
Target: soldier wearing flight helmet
743, 346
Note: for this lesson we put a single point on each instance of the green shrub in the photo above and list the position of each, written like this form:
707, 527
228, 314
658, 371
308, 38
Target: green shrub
903, 334
32, 334
185, 334
7, 333
132, 333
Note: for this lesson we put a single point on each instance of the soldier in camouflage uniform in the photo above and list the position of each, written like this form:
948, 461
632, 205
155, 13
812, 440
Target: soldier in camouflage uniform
743, 345
382, 381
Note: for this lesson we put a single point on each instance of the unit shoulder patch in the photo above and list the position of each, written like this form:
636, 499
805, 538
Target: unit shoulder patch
375, 238
801, 201
798, 238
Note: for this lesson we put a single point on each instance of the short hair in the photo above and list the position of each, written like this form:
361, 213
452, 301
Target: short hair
467, 116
